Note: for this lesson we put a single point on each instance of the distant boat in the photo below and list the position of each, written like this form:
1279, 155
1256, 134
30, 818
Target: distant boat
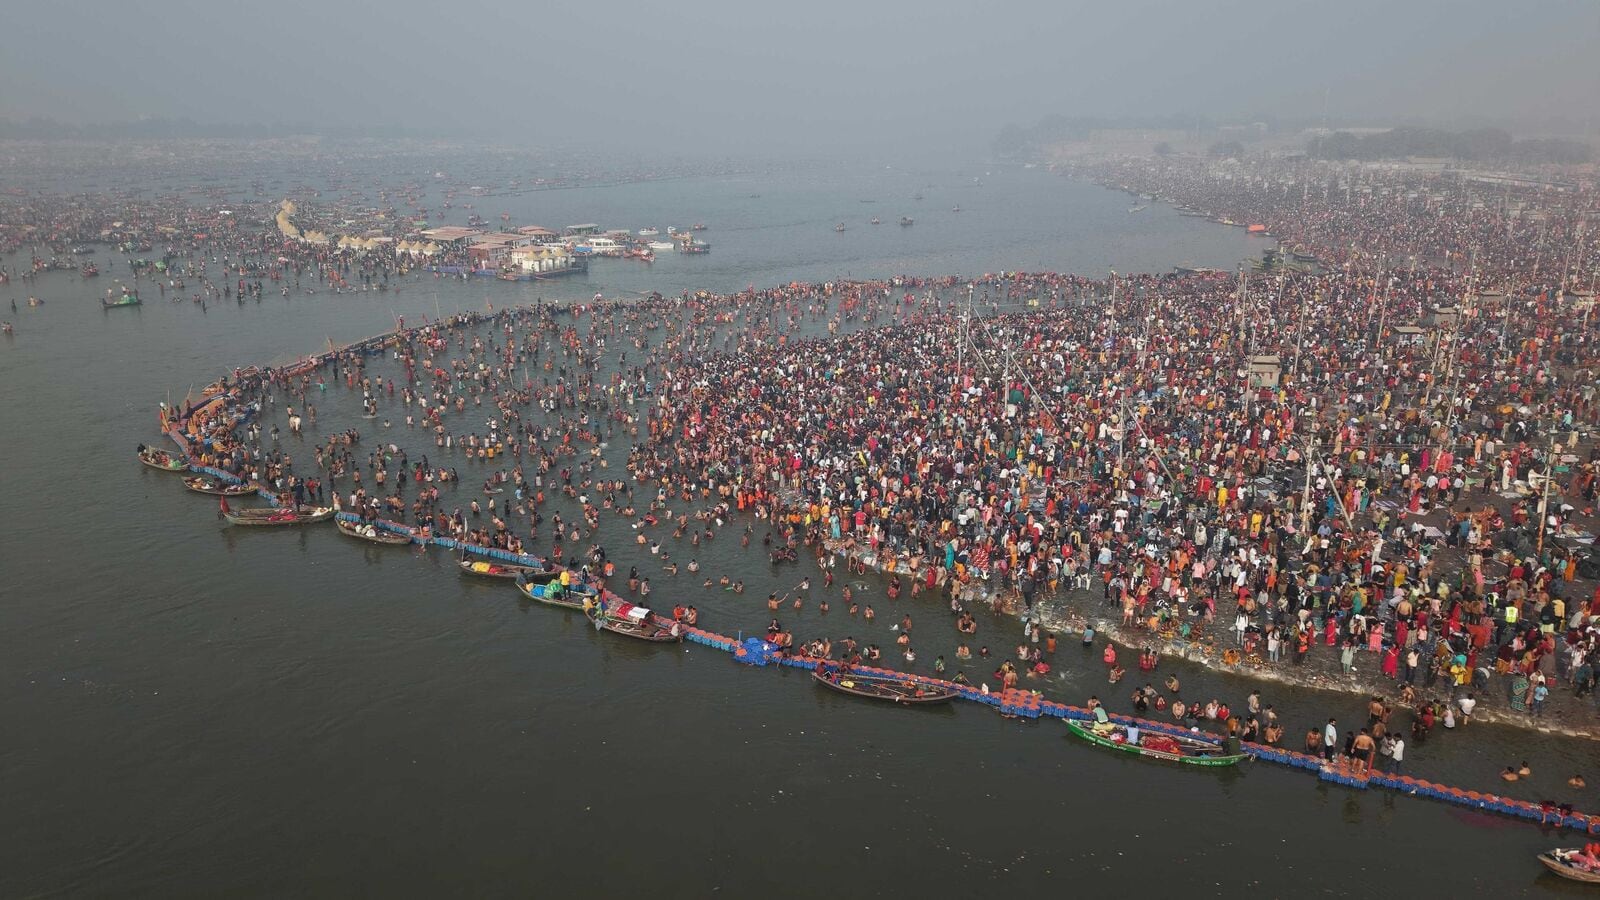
875, 221
1140, 208
906, 221
839, 227
955, 209
698, 226
648, 232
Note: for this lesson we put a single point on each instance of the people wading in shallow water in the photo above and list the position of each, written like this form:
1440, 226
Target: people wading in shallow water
1133, 467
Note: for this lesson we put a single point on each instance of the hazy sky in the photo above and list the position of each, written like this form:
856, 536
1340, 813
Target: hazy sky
699, 75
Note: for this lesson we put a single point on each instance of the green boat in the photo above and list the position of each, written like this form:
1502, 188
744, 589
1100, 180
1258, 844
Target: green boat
1194, 751
125, 300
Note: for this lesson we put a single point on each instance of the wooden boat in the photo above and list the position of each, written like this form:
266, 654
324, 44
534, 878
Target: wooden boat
1195, 751
633, 621
125, 300
202, 484
881, 687
1562, 862
161, 459
372, 533
546, 588
487, 568
271, 515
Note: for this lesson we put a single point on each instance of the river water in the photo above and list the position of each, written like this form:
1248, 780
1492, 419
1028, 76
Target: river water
198, 710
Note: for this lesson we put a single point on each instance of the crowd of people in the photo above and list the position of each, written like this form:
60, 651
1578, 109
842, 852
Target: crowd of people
1382, 465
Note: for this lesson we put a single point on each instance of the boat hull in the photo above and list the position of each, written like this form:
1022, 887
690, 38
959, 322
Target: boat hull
1196, 758
271, 517
379, 536
875, 687
172, 464
656, 630
1556, 864
568, 599
496, 570
218, 489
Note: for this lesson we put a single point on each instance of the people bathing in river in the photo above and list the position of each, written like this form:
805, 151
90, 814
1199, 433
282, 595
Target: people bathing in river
970, 485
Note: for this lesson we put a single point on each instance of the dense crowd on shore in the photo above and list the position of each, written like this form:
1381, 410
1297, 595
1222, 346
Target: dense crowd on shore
1408, 502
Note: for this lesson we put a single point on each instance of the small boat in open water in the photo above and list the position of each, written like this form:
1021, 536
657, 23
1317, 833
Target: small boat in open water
124, 300
272, 515
906, 221
626, 619
1195, 751
161, 459
880, 687
367, 531
203, 484
1571, 864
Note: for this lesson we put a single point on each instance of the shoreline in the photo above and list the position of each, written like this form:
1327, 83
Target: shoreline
1067, 612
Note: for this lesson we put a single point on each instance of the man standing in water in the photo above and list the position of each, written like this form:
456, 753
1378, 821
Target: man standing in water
1330, 739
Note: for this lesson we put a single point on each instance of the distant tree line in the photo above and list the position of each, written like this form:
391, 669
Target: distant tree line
1026, 141
1477, 145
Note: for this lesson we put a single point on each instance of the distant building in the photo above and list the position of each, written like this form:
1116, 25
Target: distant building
451, 235
538, 258
539, 234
